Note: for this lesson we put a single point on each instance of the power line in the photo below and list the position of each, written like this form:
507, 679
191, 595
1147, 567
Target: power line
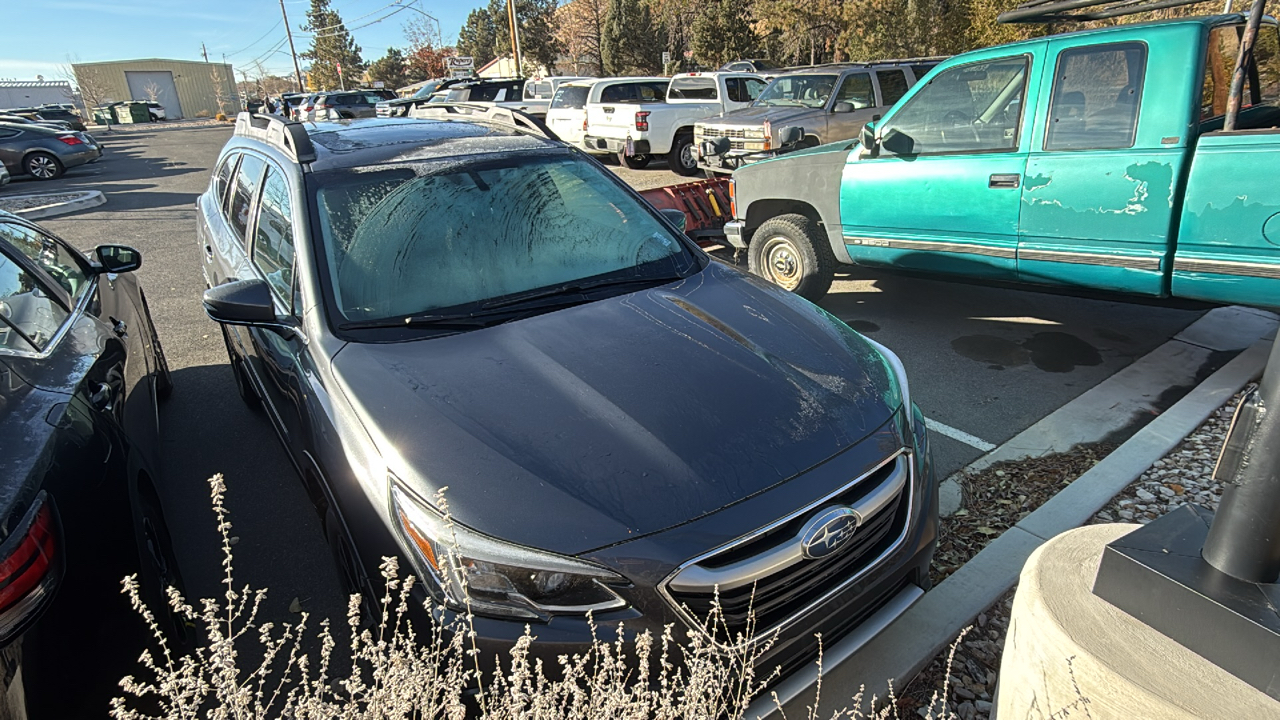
255, 42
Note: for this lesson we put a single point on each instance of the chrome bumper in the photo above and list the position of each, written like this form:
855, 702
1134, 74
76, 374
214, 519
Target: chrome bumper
734, 231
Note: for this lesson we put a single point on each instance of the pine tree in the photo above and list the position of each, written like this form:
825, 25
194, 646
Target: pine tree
723, 32
478, 36
630, 43
331, 45
390, 69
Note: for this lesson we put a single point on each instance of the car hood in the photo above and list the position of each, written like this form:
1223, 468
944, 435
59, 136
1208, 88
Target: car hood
756, 115
588, 426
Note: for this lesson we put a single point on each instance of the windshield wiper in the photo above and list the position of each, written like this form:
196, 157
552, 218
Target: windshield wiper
465, 321
574, 289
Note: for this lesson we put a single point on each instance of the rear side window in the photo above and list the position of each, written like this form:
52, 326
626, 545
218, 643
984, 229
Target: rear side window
1261, 81
7, 133
537, 90
1096, 92
921, 70
273, 237
893, 85
247, 180
651, 92
743, 89
568, 96
856, 89
618, 94
222, 179
29, 315
693, 88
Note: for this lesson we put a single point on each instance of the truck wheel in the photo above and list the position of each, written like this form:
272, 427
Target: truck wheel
682, 159
793, 253
635, 162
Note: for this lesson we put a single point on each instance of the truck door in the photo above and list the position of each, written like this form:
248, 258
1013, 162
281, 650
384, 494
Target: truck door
942, 193
1097, 201
1229, 232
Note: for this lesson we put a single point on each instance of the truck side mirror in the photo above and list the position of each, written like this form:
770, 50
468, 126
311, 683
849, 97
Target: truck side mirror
868, 138
675, 217
898, 143
790, 135
843, 107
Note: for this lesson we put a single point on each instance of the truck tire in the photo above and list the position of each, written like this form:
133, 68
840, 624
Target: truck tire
635, 162
682, 160
792, 252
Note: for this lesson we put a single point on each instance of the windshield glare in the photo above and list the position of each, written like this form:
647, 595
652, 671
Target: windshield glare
798, 91
570, 96
401, 241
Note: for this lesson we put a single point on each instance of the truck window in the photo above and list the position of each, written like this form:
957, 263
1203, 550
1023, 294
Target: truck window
893, 85
921, 70
1261, 82
653, 92
693, 88
856, 89
619, 94
965, 109
1096, 93
743, 90
570, 96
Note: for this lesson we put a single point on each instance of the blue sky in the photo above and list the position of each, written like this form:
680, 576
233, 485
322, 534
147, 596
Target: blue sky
39, 35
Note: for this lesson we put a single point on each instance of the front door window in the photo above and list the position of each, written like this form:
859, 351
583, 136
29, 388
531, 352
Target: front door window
966, 109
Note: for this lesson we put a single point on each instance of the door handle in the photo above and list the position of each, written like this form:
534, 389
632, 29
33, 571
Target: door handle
1004, 180
208, 251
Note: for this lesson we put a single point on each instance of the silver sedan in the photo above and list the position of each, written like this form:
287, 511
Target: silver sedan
42, 153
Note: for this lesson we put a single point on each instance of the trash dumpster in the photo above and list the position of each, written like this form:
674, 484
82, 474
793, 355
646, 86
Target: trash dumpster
132, 112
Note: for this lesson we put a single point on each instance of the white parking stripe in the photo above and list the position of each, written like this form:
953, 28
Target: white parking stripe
959, 435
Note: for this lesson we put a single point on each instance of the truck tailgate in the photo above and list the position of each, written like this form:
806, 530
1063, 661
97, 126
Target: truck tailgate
616, 120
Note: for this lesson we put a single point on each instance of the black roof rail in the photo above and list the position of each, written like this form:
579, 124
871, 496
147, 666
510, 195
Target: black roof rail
487, 114
1047, 11
288, 136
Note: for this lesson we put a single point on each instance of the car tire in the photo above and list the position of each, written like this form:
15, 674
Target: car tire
345, 560
158, 564
43, 166
635, 162
243, 386
792, 252
682, 159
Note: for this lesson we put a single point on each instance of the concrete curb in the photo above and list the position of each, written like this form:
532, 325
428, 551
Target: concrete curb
903, 649
87, 199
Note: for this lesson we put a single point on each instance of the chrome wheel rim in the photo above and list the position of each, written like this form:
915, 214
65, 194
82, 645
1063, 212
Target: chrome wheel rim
42, 167
782, 262
687, 158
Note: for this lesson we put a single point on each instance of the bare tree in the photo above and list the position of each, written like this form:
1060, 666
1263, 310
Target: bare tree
220, 95
92, 86
153, 92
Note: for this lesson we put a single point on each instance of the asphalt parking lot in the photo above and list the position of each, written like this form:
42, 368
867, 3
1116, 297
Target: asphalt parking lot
985, 362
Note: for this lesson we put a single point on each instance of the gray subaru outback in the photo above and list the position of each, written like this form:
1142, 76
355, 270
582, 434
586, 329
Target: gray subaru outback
625, 427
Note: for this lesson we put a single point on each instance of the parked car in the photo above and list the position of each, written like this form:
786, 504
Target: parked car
757, 66
399, 107
474, 304
636, 132
824, 104
81, 373
567, 115
1120, 180
155, 109
4, 175
42, 153
348, 105
52, 112
538, 93
291, 102
49, 124
488, 91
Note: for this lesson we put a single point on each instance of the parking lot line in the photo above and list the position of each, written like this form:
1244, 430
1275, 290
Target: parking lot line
959, 435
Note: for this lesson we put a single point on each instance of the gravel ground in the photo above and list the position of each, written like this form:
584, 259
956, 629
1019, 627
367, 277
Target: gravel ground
26, 202
1183, 476
185, 124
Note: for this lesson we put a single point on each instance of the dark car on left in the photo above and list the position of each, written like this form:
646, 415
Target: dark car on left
42, 153
81, 376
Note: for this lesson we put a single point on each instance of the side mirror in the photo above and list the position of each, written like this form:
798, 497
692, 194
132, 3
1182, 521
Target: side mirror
790, 135
243, 302
843, 107
675, 217
117, 258
868, 138
898, 143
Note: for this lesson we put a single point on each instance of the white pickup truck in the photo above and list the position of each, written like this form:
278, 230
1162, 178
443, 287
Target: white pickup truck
636, 131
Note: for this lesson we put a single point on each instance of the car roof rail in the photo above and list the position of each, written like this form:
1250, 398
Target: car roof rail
471, 112
288, 136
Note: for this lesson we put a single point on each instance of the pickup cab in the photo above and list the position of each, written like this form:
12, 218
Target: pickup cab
1093, 159
636, 131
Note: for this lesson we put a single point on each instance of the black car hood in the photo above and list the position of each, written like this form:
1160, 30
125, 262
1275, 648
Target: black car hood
602, 422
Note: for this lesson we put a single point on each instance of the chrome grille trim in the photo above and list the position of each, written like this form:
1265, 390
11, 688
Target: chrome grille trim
761, 634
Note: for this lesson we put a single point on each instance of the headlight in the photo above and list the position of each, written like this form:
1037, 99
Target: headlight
756, 133
499, 578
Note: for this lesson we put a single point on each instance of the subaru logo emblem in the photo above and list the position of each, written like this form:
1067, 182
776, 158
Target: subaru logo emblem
829, 531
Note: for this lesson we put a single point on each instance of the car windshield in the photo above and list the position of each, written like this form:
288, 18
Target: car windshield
403, 241
426, 90
798, 91
570, 96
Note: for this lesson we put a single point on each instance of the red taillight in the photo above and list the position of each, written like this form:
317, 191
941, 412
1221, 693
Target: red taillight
584, 124
71, 140
642, 120
29, 562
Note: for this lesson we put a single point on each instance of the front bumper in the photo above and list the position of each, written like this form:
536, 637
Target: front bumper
735, 232
728, 162
629, 146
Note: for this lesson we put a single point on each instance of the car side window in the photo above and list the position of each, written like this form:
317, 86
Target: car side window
222, 179
29, 314
856, 89
62, 264
921, 70
7, 133
618, 94
1096, 93
755, 87
273, 238
893, 85
965, 109
247, 180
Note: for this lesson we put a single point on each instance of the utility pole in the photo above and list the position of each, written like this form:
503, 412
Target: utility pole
204, 52
514, 22
297, 72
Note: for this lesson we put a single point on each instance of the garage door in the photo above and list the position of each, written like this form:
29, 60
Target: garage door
160, 82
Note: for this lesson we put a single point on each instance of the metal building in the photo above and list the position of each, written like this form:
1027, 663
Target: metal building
25, 94
185, 88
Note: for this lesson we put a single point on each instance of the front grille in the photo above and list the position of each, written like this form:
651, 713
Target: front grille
773, 598
710, 131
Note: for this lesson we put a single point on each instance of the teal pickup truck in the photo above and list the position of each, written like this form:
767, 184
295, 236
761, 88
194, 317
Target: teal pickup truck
1093, 159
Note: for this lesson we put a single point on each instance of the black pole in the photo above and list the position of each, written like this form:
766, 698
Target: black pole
1244, 539
1243, 61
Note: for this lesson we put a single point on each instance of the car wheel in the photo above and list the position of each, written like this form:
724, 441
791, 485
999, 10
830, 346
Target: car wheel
344, 557
247, 393
159, 565
635, 162
42, 166
682, 159
792, 252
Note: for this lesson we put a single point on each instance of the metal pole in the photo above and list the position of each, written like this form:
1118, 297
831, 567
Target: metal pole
297, 72
1242, 64
1244, 540
514, 23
